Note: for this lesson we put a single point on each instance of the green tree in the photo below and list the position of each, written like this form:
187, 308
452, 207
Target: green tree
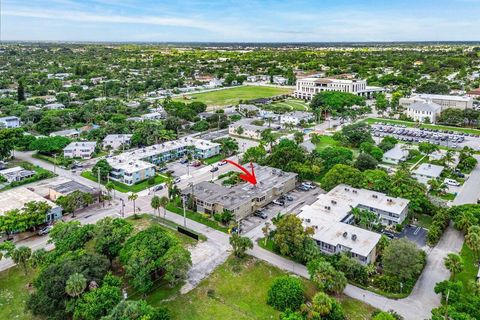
21, 256
454, 263
326, 277
383, 316
472, 239
298, 137
176, 263
240, 245
50, 145
427, 147
8, 140
403, 259
290, 235
342, 174
110, 235
6, 249
365, 162
285, 293
228, 146
155, 204
133, 197
75, 285
268, 137
321, 307
136, 310
20, 91
70, 236
102, 167
255, 154
97, 303
332, 156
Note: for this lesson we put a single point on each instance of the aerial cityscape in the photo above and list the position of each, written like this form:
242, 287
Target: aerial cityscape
199, 160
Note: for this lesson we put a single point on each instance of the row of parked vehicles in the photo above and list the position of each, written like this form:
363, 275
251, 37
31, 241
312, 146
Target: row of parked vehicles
420, 135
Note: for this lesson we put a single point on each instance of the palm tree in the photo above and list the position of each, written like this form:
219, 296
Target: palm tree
472, 239
110, 186
448, 158
163, 203
465, 220
75, 285
132, 197
155, 203
454, 263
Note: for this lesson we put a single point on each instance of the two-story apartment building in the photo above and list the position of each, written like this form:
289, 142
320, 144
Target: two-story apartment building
332, 221
10, 122
82, 149
115, 141
243, 199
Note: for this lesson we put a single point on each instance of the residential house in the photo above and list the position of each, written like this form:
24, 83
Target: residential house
82, 149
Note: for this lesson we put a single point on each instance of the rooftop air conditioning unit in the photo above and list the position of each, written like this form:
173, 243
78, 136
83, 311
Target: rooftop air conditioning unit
308, 220
345, 234
354, 191
354, 237
334, 202
375, 196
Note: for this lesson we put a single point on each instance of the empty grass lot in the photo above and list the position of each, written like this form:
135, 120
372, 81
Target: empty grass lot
232, 96
238, 290
14, 291
470, 269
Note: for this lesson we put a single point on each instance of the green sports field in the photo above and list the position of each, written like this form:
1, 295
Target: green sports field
233, 95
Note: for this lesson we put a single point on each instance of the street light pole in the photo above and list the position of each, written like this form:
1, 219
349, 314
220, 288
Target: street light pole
184, 213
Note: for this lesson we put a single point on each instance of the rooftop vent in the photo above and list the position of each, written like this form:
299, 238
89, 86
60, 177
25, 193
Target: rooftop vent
346, 189
345, 234
308, 220
334, 202
354, 191
354, 237
375, 196
389, 200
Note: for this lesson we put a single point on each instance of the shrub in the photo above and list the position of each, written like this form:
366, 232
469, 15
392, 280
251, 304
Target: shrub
286, 293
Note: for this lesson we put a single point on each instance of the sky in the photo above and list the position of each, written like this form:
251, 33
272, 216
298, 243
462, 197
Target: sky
240, 21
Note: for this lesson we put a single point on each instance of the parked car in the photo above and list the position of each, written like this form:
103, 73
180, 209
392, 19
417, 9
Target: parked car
260, 214
159, 187
177, 180
452, 182
183, 161
289, 198
214, 169
222, 163
44, 230
389, 234
309, 185
196, 163
278, 202
303, 188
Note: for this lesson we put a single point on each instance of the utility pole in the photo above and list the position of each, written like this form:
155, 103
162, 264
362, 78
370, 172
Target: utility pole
184, 213
123, 207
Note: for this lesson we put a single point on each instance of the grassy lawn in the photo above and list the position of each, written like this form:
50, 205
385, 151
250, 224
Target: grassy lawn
424, 221
213, 159
325, 142
470, 267
289, 104
126, 188
414, 124
231, 96
238, 290
14, 293
198, 217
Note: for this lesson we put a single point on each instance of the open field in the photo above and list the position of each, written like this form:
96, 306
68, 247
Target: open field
414, 124
233, 95
14, 293
238, 290
288, 105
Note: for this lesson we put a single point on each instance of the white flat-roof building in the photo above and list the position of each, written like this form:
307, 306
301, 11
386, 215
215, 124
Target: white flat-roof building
136, 165
306, 88
69, 133
246, 130
445, 101
153, 116
55, 106
10, 122
331, 218
426, 172
421, 111
82, 150
17, 198
16, 174
115, 141
395, 155
294, 118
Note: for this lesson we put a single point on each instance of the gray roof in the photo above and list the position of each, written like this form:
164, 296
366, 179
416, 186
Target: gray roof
72, 186
425, 106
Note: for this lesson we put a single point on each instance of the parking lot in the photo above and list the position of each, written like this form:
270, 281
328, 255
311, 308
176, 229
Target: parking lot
415, 234
299, 199
446, 138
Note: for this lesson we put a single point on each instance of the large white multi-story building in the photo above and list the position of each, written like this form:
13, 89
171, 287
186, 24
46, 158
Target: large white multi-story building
331, 218
306, 88
136, 165
82, 150
445, 101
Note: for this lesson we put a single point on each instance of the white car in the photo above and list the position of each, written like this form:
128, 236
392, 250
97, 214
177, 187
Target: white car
452, 182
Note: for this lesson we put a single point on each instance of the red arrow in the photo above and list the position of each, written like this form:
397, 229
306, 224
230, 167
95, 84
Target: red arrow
247, 176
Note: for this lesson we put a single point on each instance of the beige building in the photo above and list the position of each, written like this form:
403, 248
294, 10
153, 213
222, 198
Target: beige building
445, 101
244, 198
245, 130
424, 111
